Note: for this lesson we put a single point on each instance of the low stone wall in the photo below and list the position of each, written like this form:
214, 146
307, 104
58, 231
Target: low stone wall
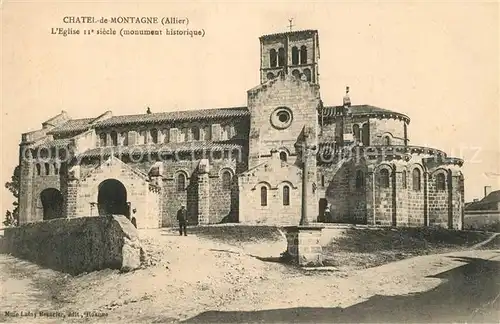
76, 245
481, 218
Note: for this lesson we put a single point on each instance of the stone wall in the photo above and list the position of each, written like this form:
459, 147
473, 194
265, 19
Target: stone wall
393, 128
302, 98
480, 218
77, 245
274, 176
338, 191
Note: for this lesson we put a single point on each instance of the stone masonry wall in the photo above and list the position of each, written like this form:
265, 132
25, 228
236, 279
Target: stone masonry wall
220, 202
77, 245
338, 191
383, 199
300, 97
439, 201
393, 128
274, 176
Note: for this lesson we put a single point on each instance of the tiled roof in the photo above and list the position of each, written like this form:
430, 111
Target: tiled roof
359, 110
174, 116
47, 142
73, 125
290, 33
165, 148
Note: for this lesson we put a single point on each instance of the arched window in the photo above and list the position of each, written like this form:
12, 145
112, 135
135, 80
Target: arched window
360, 179
403, 179
296, 73
307, 73
263, 196
295, 55
322, 180
114, 138
154, 135
303, 54
416, 179
47, 169
387, 140
281, 57
196, 133
38, 169
384, 178
270, 75
102, 139
283, 156
286, 196
273, 58
226, 180
181, 182
356, 132
440, 181
56, 168
365, 134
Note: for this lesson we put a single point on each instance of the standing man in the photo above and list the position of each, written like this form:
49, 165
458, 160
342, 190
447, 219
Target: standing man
327, 215
182, 218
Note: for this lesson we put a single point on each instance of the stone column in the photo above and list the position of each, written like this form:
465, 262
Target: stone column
71, 201
370, 199
303, 241
310, 188
26, 171
70, 190
203, 193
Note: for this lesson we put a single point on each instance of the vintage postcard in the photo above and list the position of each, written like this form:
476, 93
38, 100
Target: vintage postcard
250, 162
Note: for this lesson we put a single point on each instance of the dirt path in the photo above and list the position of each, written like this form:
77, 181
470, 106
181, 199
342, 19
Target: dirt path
198, 280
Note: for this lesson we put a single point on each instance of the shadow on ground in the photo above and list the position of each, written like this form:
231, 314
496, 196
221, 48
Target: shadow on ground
469, 293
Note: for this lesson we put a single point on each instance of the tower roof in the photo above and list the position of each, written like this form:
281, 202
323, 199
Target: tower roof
290, 33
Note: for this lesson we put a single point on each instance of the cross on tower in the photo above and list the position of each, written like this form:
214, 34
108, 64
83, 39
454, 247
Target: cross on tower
290, 25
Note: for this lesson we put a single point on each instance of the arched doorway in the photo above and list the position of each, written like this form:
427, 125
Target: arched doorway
112, 198
52, 203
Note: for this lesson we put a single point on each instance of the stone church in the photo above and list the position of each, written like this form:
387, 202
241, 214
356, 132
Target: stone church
355, 163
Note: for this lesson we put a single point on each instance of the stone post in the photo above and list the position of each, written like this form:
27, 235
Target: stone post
203, 193
303, 241
304, 245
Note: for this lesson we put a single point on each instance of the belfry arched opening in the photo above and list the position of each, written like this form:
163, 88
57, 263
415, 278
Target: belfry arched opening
112, 198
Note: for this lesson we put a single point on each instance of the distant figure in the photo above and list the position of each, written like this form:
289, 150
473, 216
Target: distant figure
182, 218
326, 215
148, 111
134, 222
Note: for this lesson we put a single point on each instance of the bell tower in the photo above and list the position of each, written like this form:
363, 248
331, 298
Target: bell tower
293, 52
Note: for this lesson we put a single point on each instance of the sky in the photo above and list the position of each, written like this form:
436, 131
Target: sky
435, 62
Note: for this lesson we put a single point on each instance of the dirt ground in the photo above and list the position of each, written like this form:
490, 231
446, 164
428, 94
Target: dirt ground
194, 279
